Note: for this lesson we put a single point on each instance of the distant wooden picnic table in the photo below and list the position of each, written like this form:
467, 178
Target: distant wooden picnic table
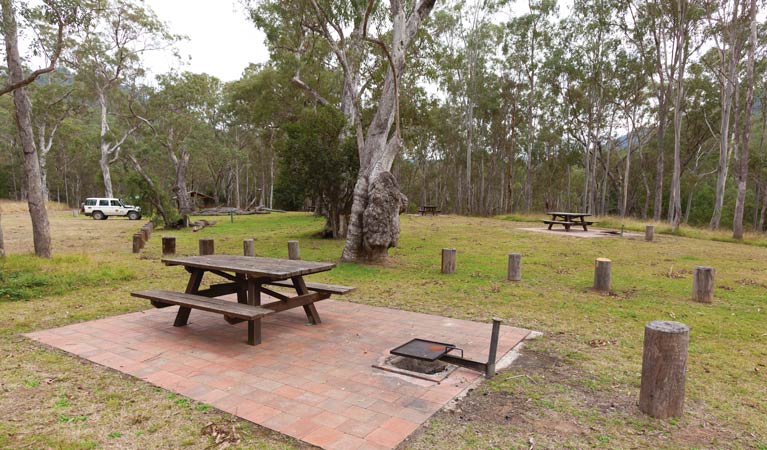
428, 209
568, 219
248, 277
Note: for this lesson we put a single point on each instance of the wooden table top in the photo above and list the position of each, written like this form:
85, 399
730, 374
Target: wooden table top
274, 268
571, 214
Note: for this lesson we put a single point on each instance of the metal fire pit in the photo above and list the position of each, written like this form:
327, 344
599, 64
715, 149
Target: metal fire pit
424, 350
431, 351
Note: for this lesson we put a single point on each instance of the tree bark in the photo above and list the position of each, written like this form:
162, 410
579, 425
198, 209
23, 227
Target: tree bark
664, 368
2, 241
703, 284
374, 219
39, 215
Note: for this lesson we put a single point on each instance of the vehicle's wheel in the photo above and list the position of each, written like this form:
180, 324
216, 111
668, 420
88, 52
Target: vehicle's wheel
133, 215
98, 215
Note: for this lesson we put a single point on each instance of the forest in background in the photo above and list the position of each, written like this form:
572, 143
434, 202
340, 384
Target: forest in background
644, 108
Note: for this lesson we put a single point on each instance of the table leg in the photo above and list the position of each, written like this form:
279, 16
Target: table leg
182, 317
242, 289
311, 312
254, 299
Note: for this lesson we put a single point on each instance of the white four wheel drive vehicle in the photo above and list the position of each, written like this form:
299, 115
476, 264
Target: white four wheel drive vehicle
102, 208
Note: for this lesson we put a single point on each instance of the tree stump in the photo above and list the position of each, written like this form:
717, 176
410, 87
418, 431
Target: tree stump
448, 260
249, 247
206, 246
138, 243
168, 245
515, 267
602, 277
293, 250
664, 366
649, 233
703, 284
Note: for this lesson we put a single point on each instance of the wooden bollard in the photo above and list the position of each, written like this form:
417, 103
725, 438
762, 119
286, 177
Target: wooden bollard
602, 277
649, 233
206, 246
249, 247
138, 243
703, 284
448, 260
664, 366
168, 245
515, 267
293, 250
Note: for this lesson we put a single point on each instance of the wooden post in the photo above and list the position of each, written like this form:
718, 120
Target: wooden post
75, 212
249, 247
138, 243
515, 267
144, 234
293, 250
602, 277
206, 246
490, 370
168, 245
703, 284
649, 233
664, 365
231, 217
448, 260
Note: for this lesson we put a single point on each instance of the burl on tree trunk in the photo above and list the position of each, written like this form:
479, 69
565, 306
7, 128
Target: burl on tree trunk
374, 222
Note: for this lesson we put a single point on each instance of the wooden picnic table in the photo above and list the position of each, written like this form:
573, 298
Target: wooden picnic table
568, 219
248, 277
427, 209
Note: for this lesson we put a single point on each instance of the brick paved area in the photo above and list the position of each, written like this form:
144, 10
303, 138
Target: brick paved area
315, 383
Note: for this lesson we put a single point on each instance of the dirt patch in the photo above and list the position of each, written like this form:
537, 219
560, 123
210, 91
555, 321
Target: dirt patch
69, 234
544, 399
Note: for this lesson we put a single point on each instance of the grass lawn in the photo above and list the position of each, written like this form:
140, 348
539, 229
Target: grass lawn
575, 387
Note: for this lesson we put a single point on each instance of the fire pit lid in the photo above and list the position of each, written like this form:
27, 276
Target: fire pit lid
423, 349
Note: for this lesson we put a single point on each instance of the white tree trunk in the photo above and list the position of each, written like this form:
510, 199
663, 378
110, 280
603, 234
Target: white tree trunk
374, 220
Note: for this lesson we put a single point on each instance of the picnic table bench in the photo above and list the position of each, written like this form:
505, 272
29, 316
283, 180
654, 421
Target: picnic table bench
568, 219
248, 277
428, 209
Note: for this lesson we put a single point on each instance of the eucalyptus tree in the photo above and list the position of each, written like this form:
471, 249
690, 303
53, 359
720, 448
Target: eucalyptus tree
685, 40
528, 39
590, 66
256, 107
466, 39
185, 113
108, 59
361, 36
54, 98
58, 16
749, 9
726, 26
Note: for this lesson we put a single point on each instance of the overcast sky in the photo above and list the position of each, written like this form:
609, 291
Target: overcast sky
222, 40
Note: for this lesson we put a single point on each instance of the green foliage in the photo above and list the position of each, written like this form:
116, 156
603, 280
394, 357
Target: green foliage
315, 164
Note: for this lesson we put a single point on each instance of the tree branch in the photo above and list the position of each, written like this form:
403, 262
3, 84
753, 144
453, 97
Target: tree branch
51, 66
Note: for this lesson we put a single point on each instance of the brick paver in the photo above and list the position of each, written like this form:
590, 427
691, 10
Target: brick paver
315, 383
